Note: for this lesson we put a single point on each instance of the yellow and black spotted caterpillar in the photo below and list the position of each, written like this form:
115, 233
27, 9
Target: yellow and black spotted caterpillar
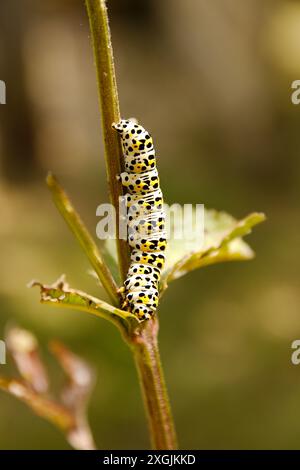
145, 220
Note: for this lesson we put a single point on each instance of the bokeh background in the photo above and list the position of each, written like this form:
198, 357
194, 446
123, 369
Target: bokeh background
212, 82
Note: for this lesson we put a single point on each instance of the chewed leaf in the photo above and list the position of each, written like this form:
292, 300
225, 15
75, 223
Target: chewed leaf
222, 242
62, 295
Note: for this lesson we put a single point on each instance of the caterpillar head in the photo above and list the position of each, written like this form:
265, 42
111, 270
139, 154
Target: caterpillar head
123, 126
135, 139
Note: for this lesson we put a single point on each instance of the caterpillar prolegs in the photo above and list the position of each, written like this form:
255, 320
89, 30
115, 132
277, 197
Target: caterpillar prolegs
145, 219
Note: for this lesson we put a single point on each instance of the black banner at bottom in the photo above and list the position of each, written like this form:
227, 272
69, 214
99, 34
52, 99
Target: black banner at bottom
134, 459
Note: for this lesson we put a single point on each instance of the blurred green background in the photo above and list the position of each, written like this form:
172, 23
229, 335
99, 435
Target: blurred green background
212, 82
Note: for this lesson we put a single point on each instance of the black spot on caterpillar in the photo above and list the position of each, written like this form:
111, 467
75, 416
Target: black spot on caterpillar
145, 219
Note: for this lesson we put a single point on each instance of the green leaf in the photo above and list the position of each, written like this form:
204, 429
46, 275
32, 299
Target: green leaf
60, 294
222, 242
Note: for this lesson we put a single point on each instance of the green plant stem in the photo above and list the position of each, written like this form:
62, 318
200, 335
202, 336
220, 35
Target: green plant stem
143, 341
82, 234
109, 102
147, 359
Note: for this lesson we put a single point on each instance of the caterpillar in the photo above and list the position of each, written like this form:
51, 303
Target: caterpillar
145, 220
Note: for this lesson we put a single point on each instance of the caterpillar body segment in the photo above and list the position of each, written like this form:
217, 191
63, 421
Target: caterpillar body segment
145, 269
152, 222
155, 243
144, 162
138, 281
145, 220
140, 183
152, 258
147, 204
